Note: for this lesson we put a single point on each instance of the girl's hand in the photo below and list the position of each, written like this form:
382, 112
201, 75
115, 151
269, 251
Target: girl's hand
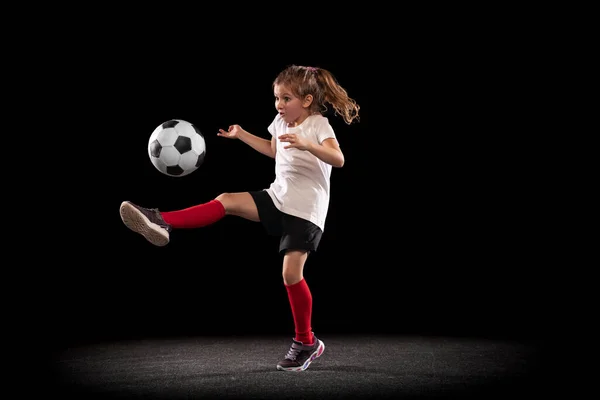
295, 141
232, 133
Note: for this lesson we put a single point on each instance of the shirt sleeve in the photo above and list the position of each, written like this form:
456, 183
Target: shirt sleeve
324, 130
271, 127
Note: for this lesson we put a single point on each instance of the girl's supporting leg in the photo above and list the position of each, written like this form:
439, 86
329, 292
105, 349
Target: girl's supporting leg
298, 294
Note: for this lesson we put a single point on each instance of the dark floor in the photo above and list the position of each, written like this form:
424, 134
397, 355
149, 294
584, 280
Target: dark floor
351, 367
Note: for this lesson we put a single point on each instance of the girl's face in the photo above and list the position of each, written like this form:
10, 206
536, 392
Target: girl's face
292, 109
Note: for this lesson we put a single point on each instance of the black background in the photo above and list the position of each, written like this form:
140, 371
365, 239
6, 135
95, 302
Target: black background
433, 225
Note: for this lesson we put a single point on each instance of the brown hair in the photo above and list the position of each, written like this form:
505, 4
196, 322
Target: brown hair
324, 88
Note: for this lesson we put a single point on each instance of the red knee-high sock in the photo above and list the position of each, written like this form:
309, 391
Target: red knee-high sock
301, 303
196, 216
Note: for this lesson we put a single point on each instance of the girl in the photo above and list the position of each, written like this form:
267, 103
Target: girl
294, 207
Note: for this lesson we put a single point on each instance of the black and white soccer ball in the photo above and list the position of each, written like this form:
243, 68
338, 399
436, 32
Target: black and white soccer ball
176, 148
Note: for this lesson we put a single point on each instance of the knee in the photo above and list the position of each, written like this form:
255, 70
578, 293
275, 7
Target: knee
291, 277
224, 198
293, 267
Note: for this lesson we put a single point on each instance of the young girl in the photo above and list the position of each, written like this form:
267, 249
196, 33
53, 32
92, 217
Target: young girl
294, 206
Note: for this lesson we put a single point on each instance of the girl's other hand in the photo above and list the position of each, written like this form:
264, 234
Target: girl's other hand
295, 141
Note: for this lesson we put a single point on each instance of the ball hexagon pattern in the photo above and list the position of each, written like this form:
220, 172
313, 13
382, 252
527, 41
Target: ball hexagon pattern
176, 148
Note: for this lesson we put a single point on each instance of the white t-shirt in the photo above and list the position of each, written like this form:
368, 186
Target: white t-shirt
301, 186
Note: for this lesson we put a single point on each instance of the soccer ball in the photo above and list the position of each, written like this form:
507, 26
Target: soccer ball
176, 148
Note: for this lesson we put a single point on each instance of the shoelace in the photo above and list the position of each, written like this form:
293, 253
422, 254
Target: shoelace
293, 352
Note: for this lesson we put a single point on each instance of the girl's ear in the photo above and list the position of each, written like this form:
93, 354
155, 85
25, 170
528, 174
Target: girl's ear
308, 99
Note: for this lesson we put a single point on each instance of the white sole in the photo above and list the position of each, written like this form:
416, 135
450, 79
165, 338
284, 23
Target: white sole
137, 222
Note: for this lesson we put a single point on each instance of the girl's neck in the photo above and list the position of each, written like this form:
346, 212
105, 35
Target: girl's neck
299, 121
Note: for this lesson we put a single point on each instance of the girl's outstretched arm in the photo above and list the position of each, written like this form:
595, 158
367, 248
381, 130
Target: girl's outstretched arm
259, 144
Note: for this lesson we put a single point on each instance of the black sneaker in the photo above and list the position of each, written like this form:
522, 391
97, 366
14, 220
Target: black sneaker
147, 222
300, 356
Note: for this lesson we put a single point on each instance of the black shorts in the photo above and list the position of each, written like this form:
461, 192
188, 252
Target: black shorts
296, 233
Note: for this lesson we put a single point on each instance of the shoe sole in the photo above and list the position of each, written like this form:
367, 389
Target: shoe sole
138, 222
316, 354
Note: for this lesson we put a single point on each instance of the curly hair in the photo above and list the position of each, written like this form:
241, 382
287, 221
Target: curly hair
322, 85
